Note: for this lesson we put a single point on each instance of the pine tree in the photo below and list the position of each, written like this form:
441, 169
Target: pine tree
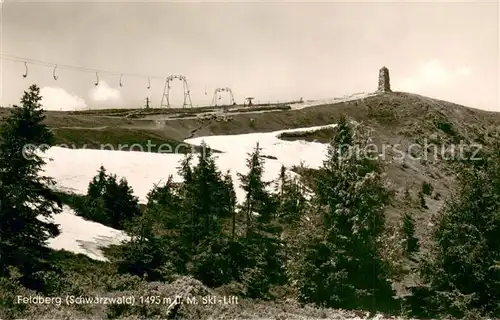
120, 205
410, 242
292, 201
342, 266
97, 187
463, 271
159, 247
25, 195
230, 201
147, 253
189, 220
258, 200
109, 201
203, 190
210, 201
262, 242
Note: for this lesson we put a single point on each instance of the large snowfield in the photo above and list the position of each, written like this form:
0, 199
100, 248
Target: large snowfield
73, 169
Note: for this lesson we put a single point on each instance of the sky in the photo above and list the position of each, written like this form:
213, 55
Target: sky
273, 51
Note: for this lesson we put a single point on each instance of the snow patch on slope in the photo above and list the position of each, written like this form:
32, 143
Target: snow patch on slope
82, 236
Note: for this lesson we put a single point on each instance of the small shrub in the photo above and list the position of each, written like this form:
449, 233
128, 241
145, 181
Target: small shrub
410, 242
427, 188
421, 199
446, 127
407, 196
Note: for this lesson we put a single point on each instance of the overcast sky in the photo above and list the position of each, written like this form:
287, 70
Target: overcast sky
270, 51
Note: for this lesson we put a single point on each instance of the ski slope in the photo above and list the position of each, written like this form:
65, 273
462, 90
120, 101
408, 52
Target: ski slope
73, 169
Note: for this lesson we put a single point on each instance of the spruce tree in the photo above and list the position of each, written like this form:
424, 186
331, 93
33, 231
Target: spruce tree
410, 242
463, 271
210, 201
265, 266
158, 248
230, 201
342, 265
25, 194
202, 201
109, 201
257, 199
171, 223
120, 205
203, 190
292, 201
97, 186
146, 254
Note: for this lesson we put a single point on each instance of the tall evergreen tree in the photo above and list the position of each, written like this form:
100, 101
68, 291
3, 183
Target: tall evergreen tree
97, 186
204, 190
263, 244
463, 271
147, 252
204, 200
230, 201
25, 194
292, 201
342, 266
120, 205
257, 200
109, 201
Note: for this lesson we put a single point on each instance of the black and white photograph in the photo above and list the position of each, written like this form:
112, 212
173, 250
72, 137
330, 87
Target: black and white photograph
281, 160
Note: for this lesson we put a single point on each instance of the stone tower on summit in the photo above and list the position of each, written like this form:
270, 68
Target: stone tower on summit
384, 82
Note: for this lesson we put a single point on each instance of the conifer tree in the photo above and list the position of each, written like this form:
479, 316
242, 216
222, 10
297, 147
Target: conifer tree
463, 271
292, 201
342, 266
206, 199
230, 201
258, 200
172, 224
109, 201
263, 244
24, 194
147, 252
120, 205
410, 242
93, 208
97, 187
188, 223
203, 190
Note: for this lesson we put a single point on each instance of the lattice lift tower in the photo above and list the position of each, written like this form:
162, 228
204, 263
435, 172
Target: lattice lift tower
166, 91
219, 90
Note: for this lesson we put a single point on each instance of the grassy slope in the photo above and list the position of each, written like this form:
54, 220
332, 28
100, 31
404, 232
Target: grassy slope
395, 113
